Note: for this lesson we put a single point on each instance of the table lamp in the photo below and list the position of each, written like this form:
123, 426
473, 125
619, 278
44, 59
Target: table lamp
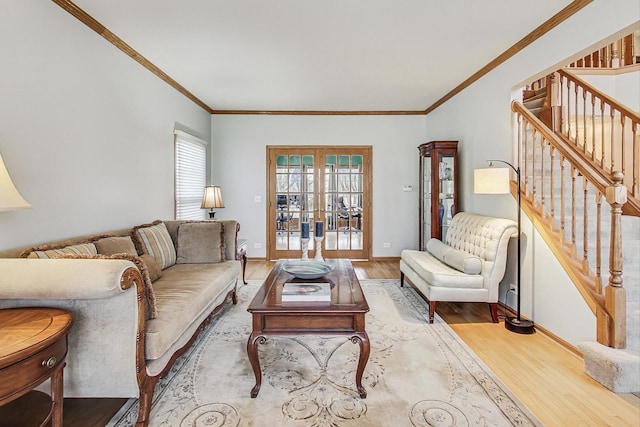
10, 198
211, 199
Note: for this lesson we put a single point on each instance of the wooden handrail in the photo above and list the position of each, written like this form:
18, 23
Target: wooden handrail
603, 131
551, 162
584, 167
590, 88
621, 49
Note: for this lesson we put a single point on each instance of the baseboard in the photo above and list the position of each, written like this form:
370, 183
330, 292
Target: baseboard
385, 258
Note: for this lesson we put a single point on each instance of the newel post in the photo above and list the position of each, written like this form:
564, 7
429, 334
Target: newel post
615, 294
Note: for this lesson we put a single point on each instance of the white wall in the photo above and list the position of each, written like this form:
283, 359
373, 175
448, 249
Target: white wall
480, 119
623, 87
239, 166
85, 131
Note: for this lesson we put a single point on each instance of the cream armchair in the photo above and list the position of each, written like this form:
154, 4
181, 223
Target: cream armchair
467, 267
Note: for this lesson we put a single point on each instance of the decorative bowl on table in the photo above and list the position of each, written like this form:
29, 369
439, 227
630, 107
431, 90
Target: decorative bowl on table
307, 269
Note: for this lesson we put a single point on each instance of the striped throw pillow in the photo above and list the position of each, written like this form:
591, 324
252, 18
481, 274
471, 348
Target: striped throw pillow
156, 241
79, 249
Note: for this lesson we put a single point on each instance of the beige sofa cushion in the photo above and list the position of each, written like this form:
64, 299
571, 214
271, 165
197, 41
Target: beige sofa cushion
183, 293
45, 252
460, 260
200, 242
153, 268
154, 239
439, 274
124, 245
115, 245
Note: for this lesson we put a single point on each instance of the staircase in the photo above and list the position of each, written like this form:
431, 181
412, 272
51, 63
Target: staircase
575, 194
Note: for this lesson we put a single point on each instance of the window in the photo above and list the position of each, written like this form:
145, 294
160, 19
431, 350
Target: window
190, 175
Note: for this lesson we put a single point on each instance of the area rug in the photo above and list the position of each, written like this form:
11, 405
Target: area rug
418, 374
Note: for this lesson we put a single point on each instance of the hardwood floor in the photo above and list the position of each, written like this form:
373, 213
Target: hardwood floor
547, 377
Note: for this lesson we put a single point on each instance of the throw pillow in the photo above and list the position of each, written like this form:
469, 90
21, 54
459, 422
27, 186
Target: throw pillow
436, 248
116, 245
460, 260
44, 252
152, 310
200, 242
154, 239
153, 268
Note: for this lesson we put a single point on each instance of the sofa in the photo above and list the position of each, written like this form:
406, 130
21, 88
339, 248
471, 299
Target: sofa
138, 296
467, 267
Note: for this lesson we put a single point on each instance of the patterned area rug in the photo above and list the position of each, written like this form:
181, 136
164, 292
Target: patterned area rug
417, 375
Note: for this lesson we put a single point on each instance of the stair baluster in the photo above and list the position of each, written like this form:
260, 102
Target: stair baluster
542, 149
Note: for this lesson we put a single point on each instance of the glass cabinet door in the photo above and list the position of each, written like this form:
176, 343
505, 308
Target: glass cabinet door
446, 207
438, 189
426, 203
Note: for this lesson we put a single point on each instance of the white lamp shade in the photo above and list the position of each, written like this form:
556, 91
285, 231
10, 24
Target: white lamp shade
491, 181
212, 197
10, 199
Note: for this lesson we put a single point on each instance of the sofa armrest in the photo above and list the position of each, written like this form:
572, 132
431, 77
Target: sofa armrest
25, 278
106, 299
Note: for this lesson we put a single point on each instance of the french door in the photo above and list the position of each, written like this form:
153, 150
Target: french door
331, 184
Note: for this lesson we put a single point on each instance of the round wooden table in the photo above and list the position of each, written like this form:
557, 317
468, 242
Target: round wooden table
33, 348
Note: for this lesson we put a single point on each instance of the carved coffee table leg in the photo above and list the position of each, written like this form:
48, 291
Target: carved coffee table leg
363, 340
252, 351
244, 267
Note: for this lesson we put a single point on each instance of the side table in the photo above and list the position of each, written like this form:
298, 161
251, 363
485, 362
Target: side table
241, 254
33, 348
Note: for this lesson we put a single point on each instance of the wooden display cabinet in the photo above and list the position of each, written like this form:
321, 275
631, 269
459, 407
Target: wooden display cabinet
438, 189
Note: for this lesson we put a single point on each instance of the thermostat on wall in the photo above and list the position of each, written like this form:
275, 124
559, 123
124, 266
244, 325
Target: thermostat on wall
407, 188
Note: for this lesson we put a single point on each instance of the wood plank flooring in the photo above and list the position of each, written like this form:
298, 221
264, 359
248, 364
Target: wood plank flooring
547, 377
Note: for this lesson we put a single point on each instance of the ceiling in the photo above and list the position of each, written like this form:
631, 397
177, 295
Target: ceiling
320, 55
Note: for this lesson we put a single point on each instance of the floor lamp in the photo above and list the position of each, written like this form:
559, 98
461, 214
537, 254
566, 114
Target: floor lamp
493, 180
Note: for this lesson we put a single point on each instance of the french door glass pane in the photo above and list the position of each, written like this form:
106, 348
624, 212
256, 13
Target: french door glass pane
295, 188
356, 240
343, 201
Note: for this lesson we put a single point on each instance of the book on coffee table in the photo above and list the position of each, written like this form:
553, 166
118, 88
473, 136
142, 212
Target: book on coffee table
306, 292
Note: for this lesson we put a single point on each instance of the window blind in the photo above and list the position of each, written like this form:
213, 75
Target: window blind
190, 176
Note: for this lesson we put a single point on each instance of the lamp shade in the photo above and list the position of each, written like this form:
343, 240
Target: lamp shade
10, 199
491, 181
212, 197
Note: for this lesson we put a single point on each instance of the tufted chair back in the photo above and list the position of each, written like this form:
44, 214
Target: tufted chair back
485, 237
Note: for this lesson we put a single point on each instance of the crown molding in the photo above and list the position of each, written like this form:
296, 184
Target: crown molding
322, 112
534, 35
547, 26
103, 31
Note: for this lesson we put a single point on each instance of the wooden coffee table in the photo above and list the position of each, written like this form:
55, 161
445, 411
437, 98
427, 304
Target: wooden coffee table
343, 316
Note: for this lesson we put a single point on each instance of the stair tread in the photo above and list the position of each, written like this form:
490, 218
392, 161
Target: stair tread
540, 93
533, 103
